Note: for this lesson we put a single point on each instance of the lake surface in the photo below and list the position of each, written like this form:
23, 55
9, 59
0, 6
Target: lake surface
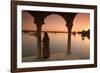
80, 47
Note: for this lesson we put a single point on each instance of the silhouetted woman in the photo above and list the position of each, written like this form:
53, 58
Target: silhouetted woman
46, 50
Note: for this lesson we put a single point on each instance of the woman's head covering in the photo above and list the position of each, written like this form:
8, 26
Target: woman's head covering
45, 34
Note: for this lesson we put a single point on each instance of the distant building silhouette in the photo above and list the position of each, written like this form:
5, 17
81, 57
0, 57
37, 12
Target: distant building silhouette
74, 33
85, 34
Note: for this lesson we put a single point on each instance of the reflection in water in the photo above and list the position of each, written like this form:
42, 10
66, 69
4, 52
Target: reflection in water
75, 46
69, 44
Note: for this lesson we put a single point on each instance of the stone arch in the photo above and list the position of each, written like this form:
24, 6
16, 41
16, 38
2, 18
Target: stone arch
53, 15
28, 20
81, 18
39, 20
39, 17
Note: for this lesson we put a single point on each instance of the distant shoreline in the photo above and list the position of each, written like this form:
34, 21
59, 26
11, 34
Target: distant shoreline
45, 31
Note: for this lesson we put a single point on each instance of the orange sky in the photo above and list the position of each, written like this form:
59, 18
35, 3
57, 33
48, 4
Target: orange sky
55, 22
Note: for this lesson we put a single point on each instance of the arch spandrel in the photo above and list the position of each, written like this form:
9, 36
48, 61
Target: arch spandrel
40, 16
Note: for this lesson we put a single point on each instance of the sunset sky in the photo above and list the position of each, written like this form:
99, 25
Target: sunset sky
55, 22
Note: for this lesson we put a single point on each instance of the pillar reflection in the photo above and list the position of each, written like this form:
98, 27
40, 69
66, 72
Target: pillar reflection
69, 43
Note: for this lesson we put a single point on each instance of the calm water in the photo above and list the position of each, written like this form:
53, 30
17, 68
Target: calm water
58, 44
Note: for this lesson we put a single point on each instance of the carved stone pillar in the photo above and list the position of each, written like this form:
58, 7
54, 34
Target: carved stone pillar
39, 22
69, 23
69, 26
